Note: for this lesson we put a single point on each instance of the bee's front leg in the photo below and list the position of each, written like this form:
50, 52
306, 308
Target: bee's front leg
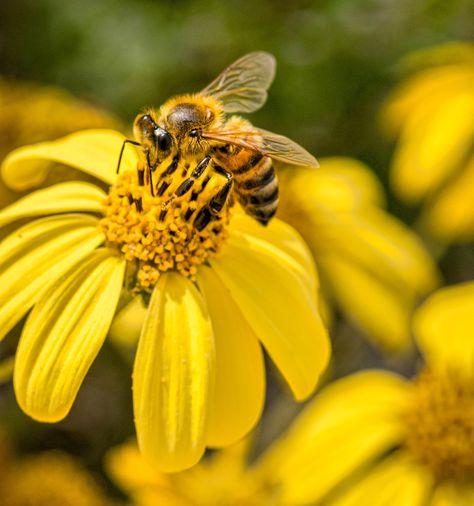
215, 205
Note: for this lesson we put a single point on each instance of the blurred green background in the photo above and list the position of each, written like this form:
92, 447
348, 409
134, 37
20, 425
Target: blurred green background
337, 61
336, 58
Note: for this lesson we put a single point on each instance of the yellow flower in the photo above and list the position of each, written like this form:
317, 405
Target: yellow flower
212, 295
432, 112
374, 438
222, 479
372, 265
49, 479
32, 113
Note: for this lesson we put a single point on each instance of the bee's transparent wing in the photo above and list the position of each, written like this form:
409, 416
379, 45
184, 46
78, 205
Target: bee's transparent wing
267, 143
242, 87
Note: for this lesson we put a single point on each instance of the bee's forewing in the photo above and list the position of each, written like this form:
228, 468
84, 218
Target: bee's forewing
242, 87
281, 148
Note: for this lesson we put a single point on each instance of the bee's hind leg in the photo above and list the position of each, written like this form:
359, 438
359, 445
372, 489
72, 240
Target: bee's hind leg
212, 209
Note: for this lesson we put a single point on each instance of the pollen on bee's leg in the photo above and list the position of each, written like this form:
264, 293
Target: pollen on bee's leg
157, 233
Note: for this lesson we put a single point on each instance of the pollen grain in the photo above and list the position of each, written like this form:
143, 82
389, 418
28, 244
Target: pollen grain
160, 236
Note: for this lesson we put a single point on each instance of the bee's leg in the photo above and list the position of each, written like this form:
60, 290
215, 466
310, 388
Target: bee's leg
215, 205
185, 186
126, 141
150, 177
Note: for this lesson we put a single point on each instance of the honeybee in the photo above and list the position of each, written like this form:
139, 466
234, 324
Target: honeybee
196, 127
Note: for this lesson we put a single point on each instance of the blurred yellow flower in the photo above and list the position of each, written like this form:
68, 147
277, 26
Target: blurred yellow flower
198, 377
48, 479
225, 478
432, 113
372, 265
32, 113
374, 438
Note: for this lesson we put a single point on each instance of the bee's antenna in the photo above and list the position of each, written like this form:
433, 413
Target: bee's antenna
126, 141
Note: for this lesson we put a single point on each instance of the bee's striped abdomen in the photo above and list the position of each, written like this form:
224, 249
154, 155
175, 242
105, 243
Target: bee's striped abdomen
256, 186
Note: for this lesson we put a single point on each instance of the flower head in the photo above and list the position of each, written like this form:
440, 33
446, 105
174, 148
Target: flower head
212, 297
371, 265
375, 434
432, 113
49, 479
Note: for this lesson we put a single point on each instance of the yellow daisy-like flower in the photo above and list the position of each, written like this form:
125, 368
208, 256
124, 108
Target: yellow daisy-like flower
212, 295
49, 479
225, 478
32, 113
432, 112
372, 266
375, 438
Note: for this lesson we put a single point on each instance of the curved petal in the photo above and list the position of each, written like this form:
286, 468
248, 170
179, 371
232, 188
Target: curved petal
450, 215
340, 184
432, 145
280, 235
63, 335
60, 198
239, 392
396, 481
276, 301
381, 245
444, 329
349, 424
386, 319
425, 90
130, 471
36, 255
128, 323
95, 152
173, 375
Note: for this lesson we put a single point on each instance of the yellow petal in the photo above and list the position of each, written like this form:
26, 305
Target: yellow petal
340, 184
274, 298
173, 375
239, 391
349, 424
432, 145
386, 319
279, 234
129, 470
423, 91
444, 329
396, 481
36, 255
95, 152
453, 494
63, 335
381, 245
450, 217
128, 323
60, 198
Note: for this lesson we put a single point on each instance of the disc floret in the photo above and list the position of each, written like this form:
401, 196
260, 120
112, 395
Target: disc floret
156, 233
440, 425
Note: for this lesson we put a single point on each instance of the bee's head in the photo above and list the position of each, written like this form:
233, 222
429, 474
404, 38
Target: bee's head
155, 141
186, 117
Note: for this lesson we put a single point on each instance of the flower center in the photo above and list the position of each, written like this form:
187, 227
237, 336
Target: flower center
160, 233
440, 425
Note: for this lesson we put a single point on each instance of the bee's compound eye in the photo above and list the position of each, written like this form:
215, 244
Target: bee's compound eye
163, 139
